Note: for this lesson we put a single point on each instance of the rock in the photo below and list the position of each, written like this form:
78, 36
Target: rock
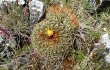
98, 5
105, 39
103, 44
107, 58
21, 2
36, 11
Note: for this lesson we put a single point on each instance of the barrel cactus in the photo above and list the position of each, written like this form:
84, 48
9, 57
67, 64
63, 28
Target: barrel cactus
52, 37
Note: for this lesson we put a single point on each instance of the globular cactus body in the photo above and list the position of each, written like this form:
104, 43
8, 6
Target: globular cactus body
52, 37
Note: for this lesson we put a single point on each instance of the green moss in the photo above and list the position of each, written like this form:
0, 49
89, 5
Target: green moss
93, 34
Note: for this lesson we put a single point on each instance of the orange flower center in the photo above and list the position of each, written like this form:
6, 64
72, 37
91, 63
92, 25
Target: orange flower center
50, 36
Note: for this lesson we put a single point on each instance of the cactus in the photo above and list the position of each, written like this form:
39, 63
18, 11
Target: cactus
52, 37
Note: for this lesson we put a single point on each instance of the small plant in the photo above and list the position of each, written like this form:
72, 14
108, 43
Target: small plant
15, 19
7, 45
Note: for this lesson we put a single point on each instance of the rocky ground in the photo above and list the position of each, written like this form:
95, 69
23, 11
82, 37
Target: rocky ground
54, 35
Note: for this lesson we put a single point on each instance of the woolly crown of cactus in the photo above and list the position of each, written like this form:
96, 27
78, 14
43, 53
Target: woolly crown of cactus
53, 35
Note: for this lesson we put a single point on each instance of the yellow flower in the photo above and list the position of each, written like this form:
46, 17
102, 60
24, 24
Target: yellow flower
49, 32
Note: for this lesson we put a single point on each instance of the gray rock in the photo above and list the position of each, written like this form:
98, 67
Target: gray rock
107, 58
97, 2
98, 5
37, 10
